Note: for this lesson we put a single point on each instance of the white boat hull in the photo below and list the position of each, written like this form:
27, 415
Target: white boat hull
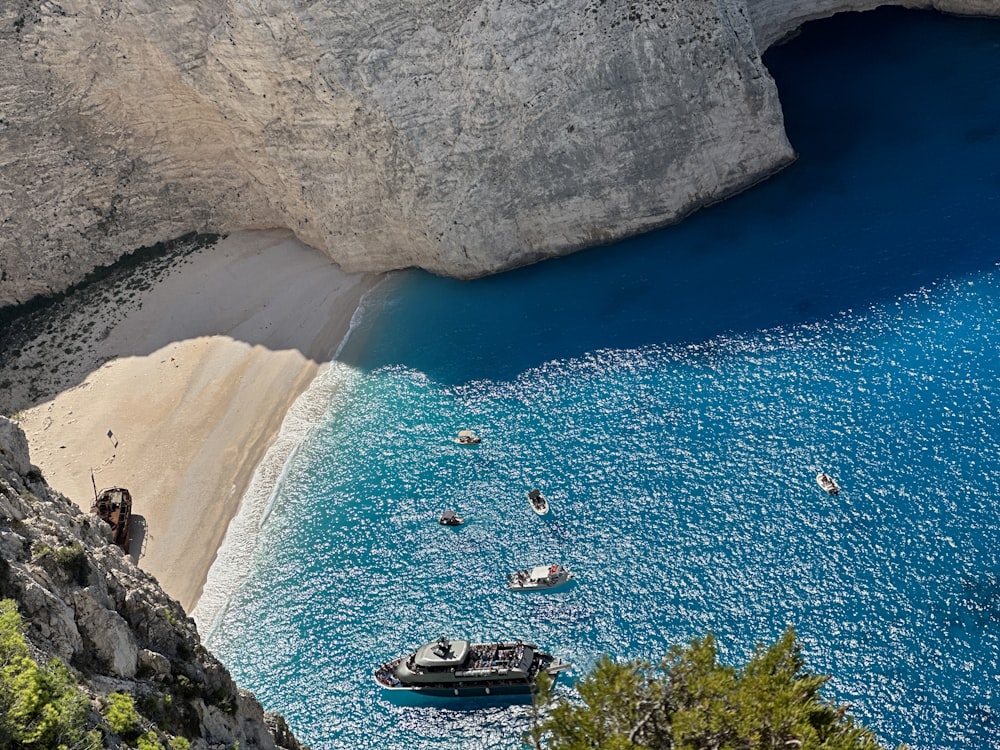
538, 502
540, 578
828, 484
529, 588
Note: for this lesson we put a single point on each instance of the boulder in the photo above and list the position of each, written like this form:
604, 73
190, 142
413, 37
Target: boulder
106, 635
14, 446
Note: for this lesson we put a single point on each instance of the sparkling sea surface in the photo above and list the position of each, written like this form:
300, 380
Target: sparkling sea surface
674, 396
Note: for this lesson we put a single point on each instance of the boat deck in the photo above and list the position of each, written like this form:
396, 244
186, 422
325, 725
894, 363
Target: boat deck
492, 657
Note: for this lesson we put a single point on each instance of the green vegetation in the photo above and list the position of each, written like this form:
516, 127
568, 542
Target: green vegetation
149, 741
692, 702
40, 706
43, 708
121, 714
73, 559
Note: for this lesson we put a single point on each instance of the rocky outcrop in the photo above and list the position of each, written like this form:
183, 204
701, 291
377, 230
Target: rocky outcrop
14, 447
462, 136
85, 603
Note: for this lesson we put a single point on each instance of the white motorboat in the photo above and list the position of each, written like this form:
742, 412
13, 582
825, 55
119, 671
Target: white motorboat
827, 482
468, 437
539, 578
450, 518
538, 502
451, 667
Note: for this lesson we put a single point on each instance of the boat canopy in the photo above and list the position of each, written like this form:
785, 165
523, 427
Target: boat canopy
442, 653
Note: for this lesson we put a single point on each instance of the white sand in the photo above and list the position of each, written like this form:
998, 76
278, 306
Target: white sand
194, 388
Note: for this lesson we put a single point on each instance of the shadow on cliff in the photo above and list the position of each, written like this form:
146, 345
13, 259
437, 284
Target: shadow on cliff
895, 189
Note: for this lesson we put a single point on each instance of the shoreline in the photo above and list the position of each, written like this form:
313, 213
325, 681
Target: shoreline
234, 557
187, 389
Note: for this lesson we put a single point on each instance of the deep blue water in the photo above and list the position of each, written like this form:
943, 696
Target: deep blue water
674, 396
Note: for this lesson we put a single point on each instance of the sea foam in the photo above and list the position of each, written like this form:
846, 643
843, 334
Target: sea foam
236, 554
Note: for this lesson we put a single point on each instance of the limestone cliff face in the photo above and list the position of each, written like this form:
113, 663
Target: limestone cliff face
86, 604
462, 136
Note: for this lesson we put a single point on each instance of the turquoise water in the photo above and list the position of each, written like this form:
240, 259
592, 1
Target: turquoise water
674, 396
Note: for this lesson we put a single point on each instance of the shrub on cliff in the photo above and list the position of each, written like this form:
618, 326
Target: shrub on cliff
691, 701
40, 705
121, 715
73, 559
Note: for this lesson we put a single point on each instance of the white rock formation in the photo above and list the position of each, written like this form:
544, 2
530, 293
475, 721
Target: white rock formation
14, 447
106, 635
462, 136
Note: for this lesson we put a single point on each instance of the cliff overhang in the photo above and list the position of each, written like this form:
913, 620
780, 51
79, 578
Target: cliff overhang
465, 137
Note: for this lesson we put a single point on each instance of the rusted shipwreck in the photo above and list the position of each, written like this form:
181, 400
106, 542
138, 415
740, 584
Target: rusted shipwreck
114, 506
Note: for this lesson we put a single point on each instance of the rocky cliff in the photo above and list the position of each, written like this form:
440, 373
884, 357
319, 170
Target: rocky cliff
462, 136
87, 605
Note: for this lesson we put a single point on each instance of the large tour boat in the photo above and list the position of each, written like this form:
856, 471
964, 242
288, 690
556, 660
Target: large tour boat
452, 667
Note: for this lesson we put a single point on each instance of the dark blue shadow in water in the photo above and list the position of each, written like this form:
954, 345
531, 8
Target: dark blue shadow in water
894, 115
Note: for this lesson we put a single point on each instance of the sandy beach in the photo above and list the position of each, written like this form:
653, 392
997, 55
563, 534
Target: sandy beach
179, 397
